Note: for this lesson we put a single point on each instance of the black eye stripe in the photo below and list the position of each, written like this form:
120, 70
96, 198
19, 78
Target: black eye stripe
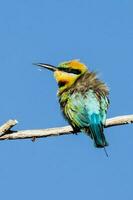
69, 70
75, 71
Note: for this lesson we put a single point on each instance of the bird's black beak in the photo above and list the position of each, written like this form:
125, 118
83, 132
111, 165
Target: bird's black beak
47, 66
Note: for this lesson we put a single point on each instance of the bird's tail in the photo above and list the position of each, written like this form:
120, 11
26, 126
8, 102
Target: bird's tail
96, 132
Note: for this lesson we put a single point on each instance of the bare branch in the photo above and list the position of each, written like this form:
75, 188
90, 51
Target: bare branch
120, 120
7, 126
66, 130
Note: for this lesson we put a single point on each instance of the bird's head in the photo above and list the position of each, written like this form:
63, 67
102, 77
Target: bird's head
66, 73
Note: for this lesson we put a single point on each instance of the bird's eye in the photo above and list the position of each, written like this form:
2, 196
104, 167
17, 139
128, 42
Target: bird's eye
70, 70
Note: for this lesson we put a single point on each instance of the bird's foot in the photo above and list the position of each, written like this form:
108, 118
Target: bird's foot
33, 139
75, 133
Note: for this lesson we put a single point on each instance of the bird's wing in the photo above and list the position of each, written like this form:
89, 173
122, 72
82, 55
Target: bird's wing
88, 112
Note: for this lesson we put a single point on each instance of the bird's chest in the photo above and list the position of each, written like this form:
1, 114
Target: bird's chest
66, 105
64, 102
67, 111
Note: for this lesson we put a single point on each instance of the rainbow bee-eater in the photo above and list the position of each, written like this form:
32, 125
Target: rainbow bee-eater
83, 98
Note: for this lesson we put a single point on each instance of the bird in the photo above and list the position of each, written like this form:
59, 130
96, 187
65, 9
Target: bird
83, 98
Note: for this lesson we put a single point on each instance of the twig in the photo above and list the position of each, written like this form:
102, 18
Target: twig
7, 126
25, 134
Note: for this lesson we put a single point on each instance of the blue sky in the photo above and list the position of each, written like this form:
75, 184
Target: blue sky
100, 34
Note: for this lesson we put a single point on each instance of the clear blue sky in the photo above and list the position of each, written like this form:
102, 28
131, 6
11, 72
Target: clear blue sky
99, 33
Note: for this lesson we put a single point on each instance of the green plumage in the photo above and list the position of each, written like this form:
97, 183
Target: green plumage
85, 105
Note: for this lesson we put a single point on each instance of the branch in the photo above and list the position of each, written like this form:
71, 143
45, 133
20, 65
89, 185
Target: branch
6, 133
7, 126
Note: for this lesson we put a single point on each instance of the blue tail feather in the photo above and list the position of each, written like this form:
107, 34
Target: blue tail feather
96, 131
